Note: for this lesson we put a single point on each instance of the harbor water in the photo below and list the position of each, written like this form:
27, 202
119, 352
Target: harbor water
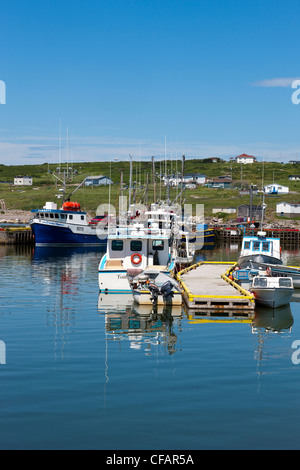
79, 370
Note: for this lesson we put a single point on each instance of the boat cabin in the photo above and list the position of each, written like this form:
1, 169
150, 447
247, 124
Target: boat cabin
136, 249
261, 245
61, 216
272, 282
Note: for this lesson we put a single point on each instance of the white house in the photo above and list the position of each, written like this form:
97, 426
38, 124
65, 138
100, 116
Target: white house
23, 181
294, 177
245, 159
276, 189
188, 179
288, 210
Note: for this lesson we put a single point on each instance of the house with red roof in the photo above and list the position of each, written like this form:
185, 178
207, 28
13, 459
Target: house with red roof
244, 158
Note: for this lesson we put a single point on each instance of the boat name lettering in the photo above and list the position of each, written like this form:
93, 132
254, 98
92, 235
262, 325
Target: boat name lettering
120, 276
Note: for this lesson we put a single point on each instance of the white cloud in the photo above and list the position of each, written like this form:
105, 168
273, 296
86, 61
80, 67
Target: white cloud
275, 82
89, 149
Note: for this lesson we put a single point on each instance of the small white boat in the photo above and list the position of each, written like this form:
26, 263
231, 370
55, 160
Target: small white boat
156, 288
272, 292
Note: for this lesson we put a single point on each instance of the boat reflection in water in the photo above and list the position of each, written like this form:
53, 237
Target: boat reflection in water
279, 320
144, 326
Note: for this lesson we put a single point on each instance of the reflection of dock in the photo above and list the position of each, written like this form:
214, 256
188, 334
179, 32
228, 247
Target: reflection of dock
206, 286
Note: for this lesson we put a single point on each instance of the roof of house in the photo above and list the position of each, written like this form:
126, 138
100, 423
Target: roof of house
96, 177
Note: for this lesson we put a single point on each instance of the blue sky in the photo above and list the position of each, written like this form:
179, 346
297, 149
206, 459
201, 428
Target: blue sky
148, 77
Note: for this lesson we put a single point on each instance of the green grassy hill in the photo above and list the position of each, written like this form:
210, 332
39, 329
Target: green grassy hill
45, 185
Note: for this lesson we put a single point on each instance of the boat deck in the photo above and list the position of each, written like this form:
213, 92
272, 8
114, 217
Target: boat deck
207, 286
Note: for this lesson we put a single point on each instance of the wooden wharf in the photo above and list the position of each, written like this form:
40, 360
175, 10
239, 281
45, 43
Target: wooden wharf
16, 236
207, 286
230, 235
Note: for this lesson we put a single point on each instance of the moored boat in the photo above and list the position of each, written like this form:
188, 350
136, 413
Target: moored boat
67, 226
272, 292
130, 250
258, 250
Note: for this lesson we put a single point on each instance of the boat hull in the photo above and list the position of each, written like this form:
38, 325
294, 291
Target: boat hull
63, 235
272, 297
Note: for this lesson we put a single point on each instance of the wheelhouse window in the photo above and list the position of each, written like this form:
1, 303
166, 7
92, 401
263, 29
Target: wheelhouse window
158, 245
56, 216
266, 246
285, 282
247, 245
256, 246
260, 282
117, 245
136, 245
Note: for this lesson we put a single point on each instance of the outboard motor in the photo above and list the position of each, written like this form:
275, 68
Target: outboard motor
154, 293
167, 291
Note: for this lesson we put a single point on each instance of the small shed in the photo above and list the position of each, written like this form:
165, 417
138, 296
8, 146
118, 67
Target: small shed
99, 180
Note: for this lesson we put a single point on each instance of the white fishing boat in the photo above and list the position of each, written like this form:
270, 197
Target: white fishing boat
153, 287
130, 250
258, 250
272, 292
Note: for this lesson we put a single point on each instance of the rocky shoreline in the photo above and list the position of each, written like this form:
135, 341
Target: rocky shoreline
15, 217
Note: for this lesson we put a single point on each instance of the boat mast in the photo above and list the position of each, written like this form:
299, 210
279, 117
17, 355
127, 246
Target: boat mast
130, 182
154, 188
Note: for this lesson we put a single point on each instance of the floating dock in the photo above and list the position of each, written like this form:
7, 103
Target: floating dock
208, 286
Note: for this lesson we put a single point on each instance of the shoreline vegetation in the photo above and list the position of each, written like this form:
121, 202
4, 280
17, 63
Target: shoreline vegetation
20, 200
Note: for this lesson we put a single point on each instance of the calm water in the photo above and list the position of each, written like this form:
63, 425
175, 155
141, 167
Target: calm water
81, 374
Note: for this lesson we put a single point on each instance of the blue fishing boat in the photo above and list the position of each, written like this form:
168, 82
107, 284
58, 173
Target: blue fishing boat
67, 226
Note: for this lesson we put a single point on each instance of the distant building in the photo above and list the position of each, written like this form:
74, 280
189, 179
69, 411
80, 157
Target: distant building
23, 181
294, 177
98, 181
245, 159
224, 210
244, 211
285, 209
188, 179
221, 182
276, 189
